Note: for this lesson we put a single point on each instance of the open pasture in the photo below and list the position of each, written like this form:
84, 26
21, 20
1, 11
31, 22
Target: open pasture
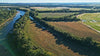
48, 8
53, 15
77, 9
91, 19
77, 29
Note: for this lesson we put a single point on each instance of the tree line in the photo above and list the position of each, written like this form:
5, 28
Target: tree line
65, 18
6, 14
88, 41
22, 43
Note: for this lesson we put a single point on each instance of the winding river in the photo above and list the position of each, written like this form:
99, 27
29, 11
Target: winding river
3, 33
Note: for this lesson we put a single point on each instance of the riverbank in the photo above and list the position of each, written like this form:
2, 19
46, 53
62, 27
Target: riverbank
4, 45
8, 20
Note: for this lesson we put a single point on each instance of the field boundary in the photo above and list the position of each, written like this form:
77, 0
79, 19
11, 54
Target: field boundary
91, 28
86, 24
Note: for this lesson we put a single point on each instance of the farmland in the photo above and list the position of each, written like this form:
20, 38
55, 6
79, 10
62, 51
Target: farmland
47, 41
77, 29
91, 19
77, 9
48, 8
53, 15
46, 29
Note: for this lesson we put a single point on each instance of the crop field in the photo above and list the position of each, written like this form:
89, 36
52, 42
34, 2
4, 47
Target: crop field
53, 15
48, 8
47, 41
76, 28
91, 19
77, 9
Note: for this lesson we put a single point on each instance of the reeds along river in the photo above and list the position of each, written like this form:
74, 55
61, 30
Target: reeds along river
5, 30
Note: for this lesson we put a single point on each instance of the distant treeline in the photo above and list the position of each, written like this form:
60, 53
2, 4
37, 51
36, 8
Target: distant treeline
76, 5
23, 44
67, 11
69, 5
88, 41
65, 18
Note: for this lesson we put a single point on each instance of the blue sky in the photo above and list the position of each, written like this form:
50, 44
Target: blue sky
46, 1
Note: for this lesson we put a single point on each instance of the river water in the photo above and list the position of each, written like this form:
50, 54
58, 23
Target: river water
4, 31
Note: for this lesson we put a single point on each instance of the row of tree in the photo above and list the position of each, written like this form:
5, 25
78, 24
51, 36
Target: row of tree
23, 43
88, 41
68, 10
65, 18
6, 14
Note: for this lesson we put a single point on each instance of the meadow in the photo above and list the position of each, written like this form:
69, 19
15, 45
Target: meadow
47, 41
58, 39
91, 19
54, 15
48, 8
77, 29
77, 9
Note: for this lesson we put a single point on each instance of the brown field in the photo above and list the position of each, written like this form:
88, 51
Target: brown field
47, 41
50, 43
77, 28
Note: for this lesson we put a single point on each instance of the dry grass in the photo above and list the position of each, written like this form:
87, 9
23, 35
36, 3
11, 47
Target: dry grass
47, 41
77, 28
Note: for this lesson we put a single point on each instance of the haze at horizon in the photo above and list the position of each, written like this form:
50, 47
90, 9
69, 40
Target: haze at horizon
46, 1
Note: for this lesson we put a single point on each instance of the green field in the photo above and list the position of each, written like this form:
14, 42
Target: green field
77, 9
53, 15
48, 8
91, 19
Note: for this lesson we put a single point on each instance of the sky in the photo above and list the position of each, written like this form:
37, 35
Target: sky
46, 1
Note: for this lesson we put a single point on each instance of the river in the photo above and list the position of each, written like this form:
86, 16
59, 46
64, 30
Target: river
4, 47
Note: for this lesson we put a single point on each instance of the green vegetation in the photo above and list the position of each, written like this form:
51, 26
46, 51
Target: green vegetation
22, 42
53, 15
58, 16
5, 14
47, 8
88, 41
76, 28
91, 19
77, 9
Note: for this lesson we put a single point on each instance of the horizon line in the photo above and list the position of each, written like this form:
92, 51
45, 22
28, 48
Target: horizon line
49, 2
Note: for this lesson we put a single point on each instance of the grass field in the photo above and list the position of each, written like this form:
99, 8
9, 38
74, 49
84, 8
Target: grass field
53, 15
53, 44
47, 41
91, 19
48, 8
77, 9
77, 29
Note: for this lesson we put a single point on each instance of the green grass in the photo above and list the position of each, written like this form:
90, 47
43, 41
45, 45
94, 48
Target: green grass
47, 8
91, 19
77, 9
53, 15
